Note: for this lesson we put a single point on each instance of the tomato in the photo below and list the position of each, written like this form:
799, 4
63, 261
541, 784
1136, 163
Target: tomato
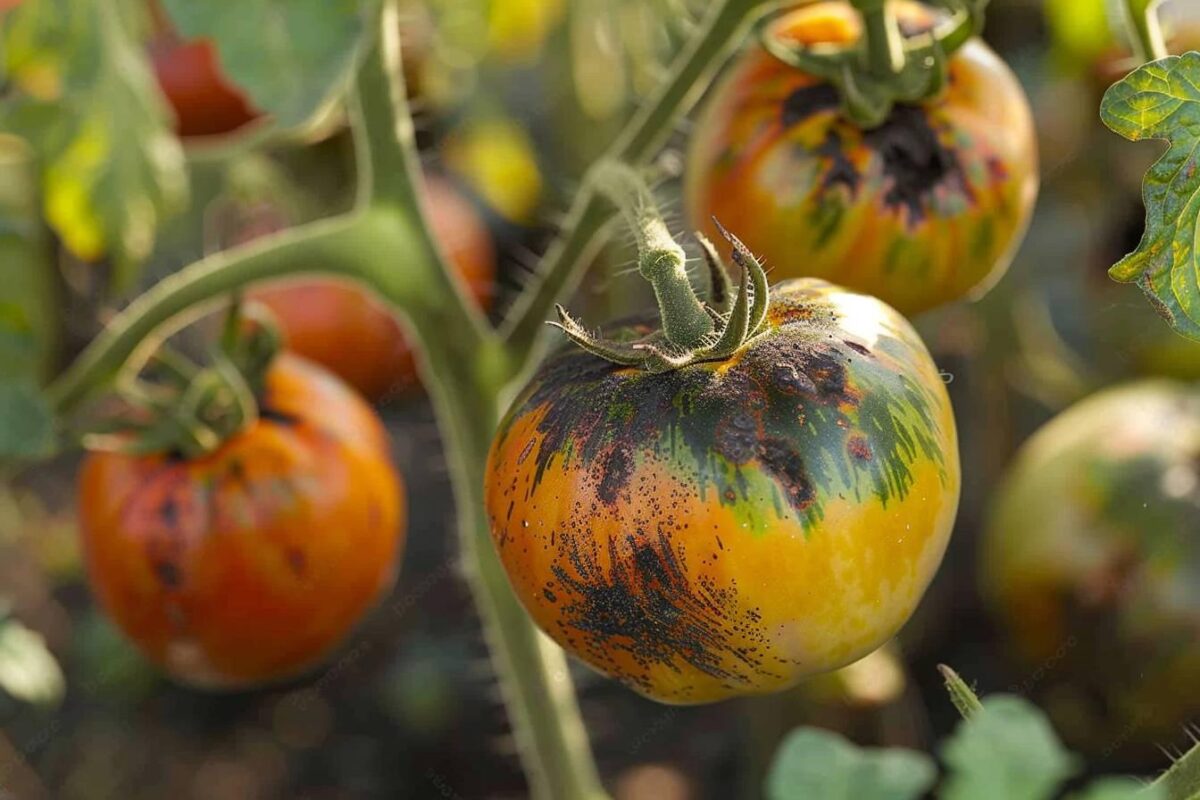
920, 211
1091, 561
204, 102
350, 332
253, 563
731, 527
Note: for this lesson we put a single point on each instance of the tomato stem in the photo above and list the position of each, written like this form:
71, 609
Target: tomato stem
1144, 29
661, 260
882, 44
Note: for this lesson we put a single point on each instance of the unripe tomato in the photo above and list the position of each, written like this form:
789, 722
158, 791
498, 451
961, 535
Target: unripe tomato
924, 209
350, 332
1091, 560
731, 527
204, 101
251, 564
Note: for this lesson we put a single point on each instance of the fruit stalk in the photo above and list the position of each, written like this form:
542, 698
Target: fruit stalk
882, 42
1145, 31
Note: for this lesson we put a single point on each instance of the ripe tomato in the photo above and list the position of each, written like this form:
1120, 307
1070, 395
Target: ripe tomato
920, 211
731, 527
350, 332
204, 102
251, 564
1091, 560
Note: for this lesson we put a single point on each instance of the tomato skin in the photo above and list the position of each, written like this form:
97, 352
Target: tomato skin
1090, 561
352, 333
921, 211
731, 528
252, 564
204, 102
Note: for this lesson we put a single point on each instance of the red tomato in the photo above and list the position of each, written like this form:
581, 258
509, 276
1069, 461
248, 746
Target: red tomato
253, 563
922, 210
204, 102
346, 329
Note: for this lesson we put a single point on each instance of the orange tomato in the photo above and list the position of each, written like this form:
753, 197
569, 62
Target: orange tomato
732, 527
925, 209
346, 329
253, 563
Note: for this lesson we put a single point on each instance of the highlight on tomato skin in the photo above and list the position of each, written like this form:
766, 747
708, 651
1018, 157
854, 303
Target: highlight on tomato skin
928, 208
252, 564
1089, 563
349, 331
732, 527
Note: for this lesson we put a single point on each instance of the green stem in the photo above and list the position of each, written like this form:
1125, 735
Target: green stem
661, 260
882, 45
721, 32
1145, 30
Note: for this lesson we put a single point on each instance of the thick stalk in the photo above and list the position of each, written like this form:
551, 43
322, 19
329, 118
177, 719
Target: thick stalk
1145, 30
882, 43
724, 27
466, 378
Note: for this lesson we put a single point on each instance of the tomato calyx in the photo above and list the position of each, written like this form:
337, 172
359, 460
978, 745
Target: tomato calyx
177, 407
888, 66
693, 330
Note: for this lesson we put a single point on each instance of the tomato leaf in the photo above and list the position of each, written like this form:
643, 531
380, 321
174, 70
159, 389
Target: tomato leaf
28, 671
1161, 100
1120, 789
86, 101
287, 55
27, 426
1182, 780
29, 313
1005, 751
816, 763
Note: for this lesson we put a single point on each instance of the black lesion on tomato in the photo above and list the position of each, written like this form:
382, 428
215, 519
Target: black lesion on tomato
788, 408
910, 151
641, 603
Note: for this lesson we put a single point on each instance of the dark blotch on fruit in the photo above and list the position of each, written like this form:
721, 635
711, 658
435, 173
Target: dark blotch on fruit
615, 474
168, 574
643, 604
913, 157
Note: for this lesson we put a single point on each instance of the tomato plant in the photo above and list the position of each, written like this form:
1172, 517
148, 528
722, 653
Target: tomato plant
344, 328
253, 562
758, 488
923, 209
1068, 559
712, 529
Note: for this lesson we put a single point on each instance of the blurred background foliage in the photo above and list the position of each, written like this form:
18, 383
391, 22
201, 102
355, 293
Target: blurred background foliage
513, 100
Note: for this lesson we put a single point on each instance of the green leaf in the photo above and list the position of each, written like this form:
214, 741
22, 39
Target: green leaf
28, 671
27, 427
815, 763
1182, 780
29, 312
963, 696
1005, 751
287, 55
86, 101
1161, 100
1120, 789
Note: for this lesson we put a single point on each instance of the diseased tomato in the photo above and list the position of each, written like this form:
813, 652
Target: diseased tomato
253, 563
204, 102
349, 331
731, 527
922, 210
1092, 564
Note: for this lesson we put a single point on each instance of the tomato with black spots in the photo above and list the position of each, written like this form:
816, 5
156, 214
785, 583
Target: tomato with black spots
252, 564
731, 527
925, 209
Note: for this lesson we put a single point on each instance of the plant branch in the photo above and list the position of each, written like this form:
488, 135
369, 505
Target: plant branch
1144, 29
722, 30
